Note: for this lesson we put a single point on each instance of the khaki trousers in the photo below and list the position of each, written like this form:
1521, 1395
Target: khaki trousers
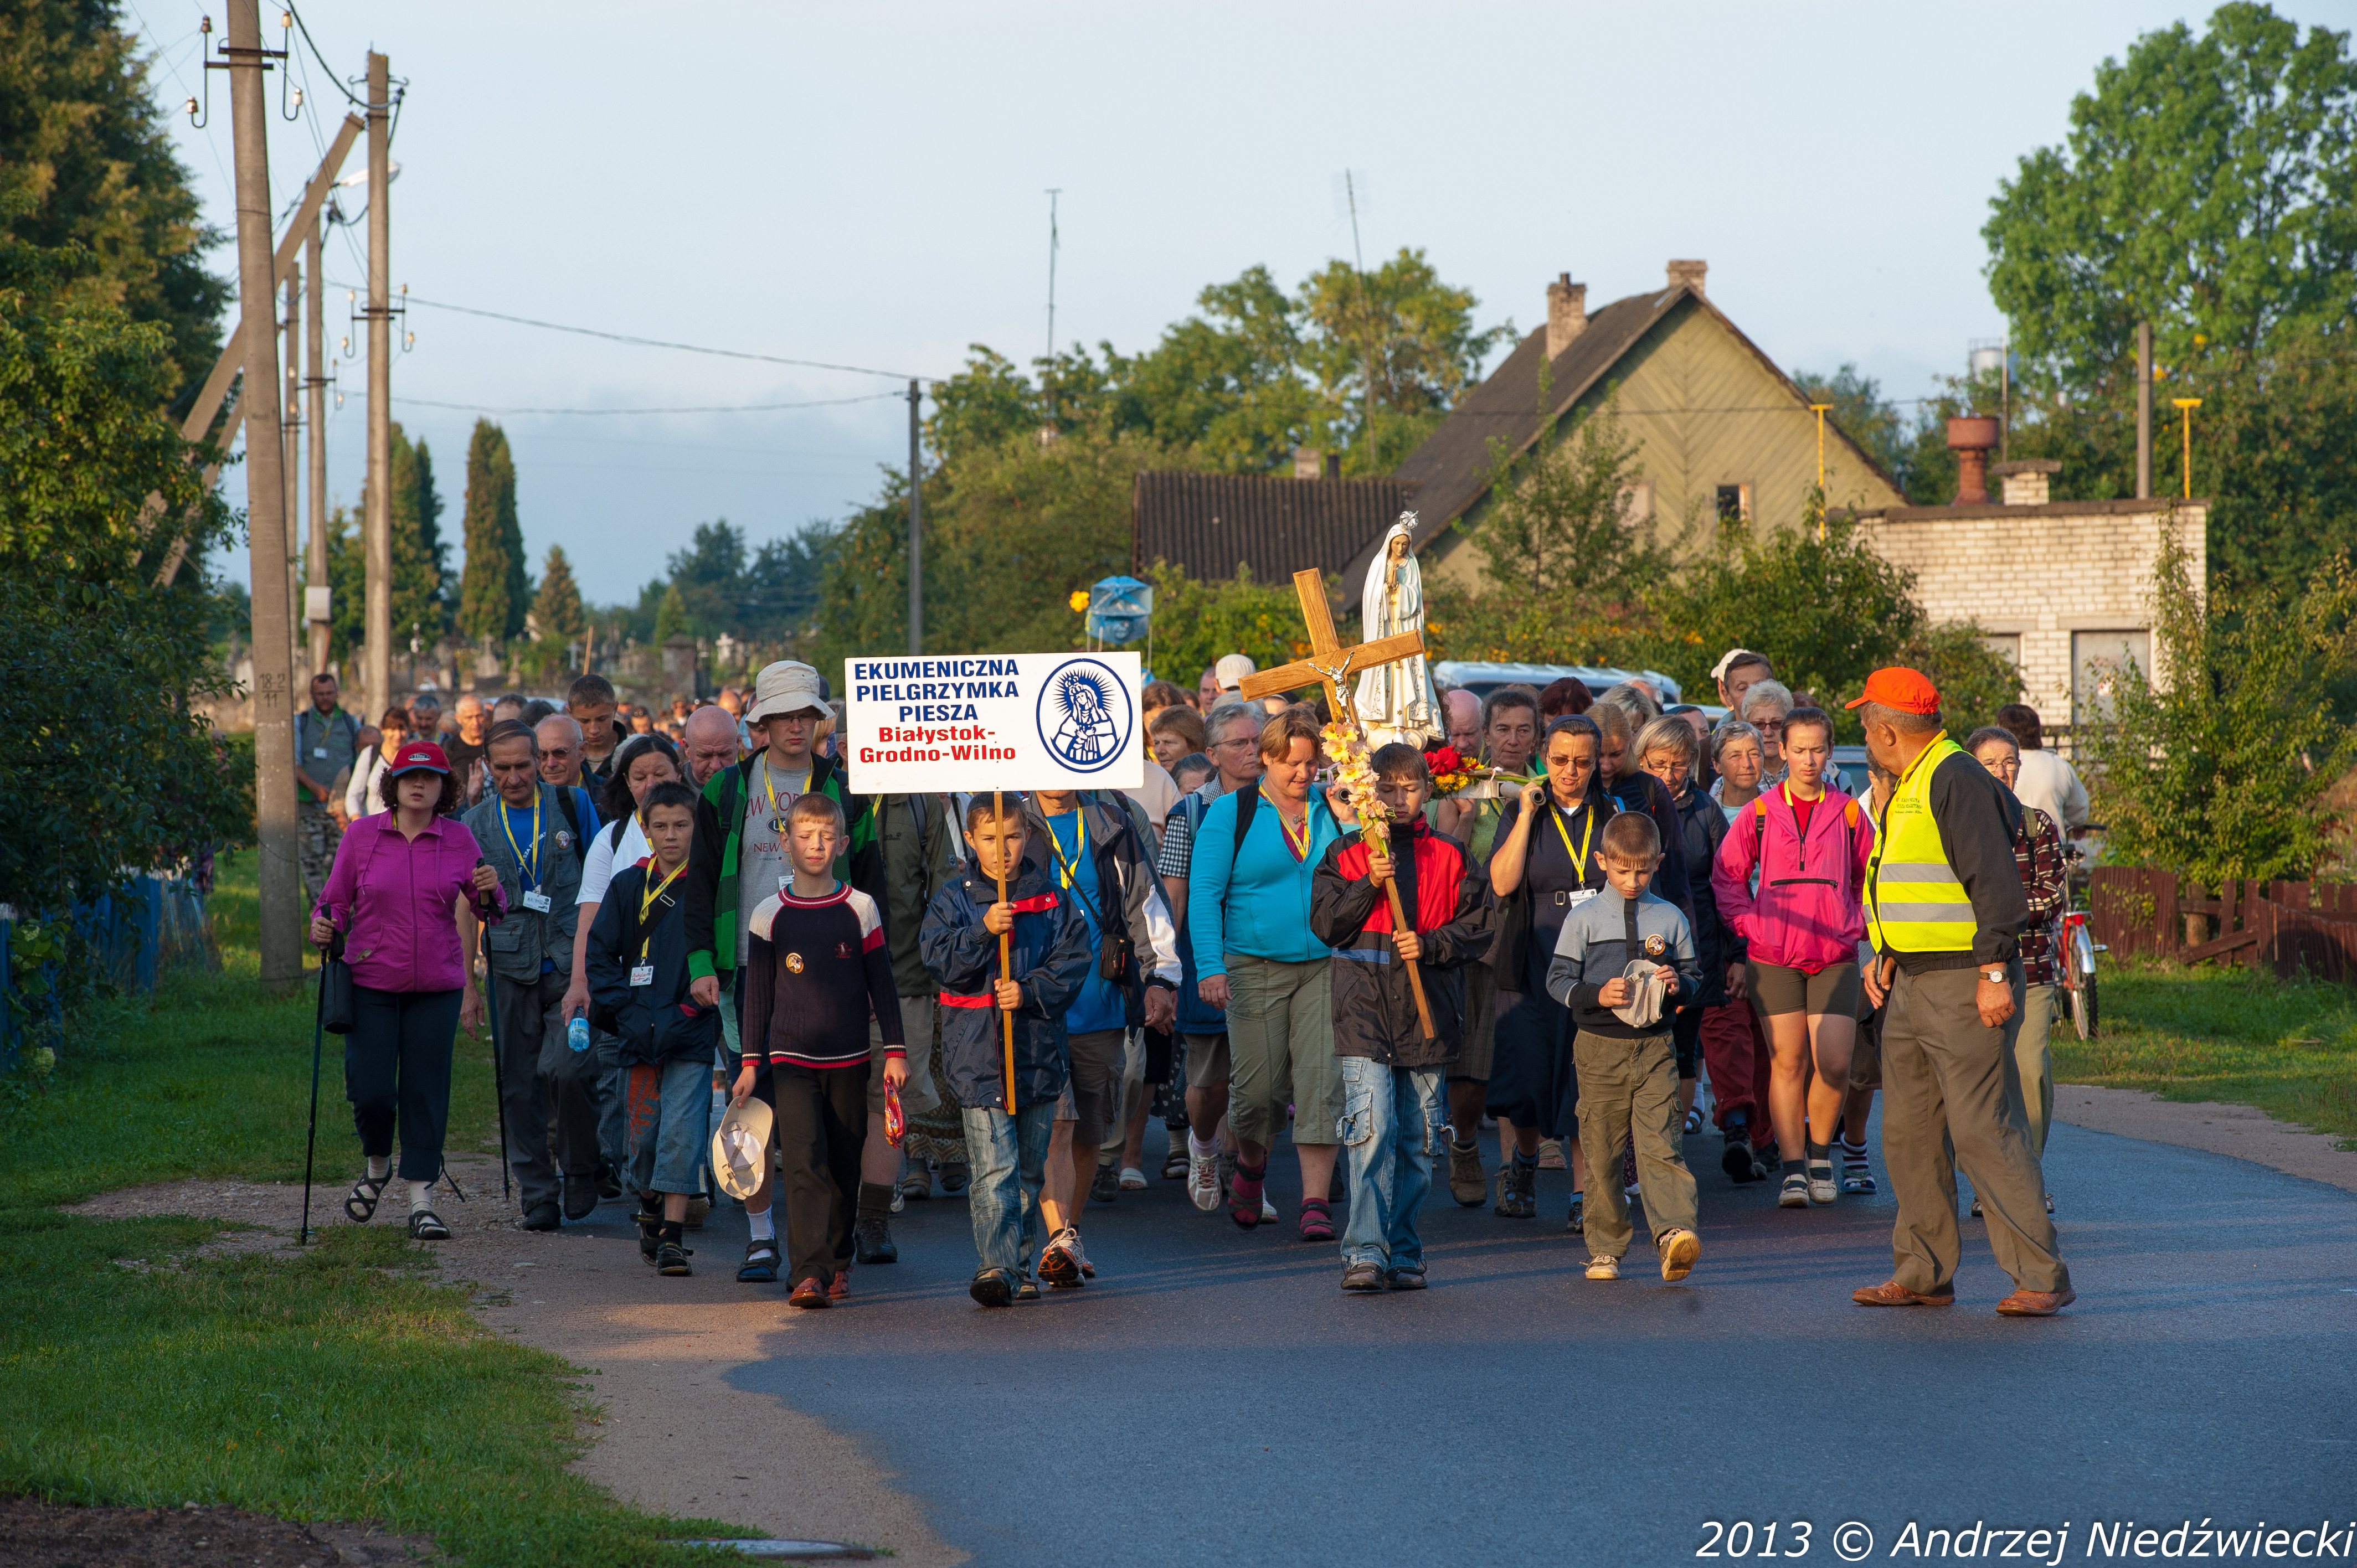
1629, 1087
1950, 1098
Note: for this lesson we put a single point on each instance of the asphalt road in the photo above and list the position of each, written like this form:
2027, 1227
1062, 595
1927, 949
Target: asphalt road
1212, 1396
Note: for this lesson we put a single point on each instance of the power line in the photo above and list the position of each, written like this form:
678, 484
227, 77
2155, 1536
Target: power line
662, 343
704, 408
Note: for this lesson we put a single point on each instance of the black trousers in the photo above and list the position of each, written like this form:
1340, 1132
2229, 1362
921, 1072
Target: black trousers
821, 1122
550, 1104
398, 1074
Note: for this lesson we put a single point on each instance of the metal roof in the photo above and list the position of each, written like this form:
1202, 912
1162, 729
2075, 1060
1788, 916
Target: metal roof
1212, 523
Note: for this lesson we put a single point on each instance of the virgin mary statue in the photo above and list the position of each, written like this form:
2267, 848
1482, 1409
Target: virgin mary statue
1396, 702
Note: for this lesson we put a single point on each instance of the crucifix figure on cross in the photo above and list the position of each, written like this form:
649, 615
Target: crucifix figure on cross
1329, 663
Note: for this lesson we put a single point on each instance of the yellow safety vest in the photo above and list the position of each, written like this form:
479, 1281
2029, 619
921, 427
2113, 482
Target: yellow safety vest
1914, 900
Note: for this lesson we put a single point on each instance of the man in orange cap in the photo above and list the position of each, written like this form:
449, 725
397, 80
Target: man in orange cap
1943, 904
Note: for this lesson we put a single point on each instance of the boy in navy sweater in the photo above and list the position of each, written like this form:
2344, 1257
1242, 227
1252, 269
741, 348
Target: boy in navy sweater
1624, 958
816, 969
1048, 959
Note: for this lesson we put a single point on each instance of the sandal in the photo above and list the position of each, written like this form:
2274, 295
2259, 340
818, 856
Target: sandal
360, 1207
761, 1265
1243, 1195
1316, 1220
424, 1225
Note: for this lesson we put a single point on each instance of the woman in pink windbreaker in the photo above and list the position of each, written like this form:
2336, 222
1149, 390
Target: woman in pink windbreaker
1808, 844
399, 878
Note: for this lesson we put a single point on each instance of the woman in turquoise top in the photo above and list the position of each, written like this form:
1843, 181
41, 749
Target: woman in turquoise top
1248, 917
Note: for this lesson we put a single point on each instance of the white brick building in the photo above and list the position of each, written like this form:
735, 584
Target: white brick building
2056, 585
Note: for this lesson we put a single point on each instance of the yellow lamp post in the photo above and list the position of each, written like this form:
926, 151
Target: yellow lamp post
2185, 407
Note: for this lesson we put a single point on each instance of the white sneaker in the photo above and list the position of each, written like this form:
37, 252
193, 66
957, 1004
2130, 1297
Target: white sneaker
1062, 1265
1268, 1210
1203, 1180
1822, 1188
1600, 1267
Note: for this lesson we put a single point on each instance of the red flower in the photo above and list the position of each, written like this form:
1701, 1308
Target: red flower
1445, 760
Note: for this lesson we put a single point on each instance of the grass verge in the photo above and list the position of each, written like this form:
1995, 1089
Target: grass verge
2289, 1048
345, 1383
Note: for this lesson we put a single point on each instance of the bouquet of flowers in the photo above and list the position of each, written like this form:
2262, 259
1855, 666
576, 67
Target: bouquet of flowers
1451, 769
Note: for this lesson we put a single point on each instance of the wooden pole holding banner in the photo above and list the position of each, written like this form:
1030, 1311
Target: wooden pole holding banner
1329, 663
1006, 950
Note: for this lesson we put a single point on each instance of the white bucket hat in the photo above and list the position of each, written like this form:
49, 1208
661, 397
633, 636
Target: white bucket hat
788, 686
740, 1147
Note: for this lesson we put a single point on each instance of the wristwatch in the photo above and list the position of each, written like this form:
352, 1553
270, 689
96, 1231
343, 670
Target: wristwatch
1994, 976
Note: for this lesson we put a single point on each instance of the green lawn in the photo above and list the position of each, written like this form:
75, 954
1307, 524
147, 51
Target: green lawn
2289, 1048
345, 1384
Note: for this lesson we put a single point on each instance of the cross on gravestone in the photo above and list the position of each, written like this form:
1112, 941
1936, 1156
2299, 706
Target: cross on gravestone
1329, 663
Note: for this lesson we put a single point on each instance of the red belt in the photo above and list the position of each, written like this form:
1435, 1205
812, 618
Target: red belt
950, 1000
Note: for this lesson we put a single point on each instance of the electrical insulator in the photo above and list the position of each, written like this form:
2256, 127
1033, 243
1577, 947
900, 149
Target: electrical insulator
192, 108
409, 340
206, 26
285, 19
348, 345
298, 97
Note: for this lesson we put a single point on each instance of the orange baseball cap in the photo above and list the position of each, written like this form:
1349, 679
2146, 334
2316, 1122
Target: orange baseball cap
1908, 691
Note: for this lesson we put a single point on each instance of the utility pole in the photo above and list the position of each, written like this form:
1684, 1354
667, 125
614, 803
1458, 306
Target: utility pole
378, 524
915, 528
315, 381
2143, 411
265, 504
1359, 262
1055, 243
290, 428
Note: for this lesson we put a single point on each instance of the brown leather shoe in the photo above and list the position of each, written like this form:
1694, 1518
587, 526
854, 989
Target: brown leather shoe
809, 1294
1890, 1293
2036, 1303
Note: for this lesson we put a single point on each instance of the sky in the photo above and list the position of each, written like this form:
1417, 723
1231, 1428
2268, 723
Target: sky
866, 186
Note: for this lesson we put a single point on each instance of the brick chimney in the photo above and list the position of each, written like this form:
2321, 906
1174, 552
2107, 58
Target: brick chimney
2022, 482
1566, 312
1688, 274
1308, 463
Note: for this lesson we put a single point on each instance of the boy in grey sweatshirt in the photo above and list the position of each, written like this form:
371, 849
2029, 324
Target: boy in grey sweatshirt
1622, 961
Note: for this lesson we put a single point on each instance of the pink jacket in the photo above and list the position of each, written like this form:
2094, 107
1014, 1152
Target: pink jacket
396, 901
1810, 911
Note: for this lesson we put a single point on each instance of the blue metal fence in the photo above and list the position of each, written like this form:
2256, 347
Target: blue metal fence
155, 924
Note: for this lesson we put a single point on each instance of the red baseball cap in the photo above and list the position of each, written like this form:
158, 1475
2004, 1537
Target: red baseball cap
419, 756
1908, 691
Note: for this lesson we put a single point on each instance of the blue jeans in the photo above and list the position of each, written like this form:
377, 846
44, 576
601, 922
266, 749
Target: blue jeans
1009, 1160
669, 1104
1391, 1123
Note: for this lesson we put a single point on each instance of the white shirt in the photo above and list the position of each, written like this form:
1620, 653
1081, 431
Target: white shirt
606, 857
2052, 786
362, 797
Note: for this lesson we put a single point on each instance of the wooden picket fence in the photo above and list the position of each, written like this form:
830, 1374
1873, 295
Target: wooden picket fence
2292, 928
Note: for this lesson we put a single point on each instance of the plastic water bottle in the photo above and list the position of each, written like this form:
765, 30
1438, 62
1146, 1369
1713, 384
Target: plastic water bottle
576, 1033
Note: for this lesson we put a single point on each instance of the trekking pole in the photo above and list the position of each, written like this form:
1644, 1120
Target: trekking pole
311, 1138
1005, 958
499, 1074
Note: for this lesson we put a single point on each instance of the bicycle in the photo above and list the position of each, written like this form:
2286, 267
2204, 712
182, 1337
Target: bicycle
2075, 947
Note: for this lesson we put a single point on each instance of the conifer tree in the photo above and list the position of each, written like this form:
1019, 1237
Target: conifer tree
557, 612
494, 595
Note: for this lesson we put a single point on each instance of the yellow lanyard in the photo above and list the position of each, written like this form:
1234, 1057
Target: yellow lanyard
530, 864
1067, 869
1587, 837
654, 890
769, 782
1300, 846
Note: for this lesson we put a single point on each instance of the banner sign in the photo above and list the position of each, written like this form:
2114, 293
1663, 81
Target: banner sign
993, 721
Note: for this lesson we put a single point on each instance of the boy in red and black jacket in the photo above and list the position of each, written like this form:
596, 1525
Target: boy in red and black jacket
1395, 1111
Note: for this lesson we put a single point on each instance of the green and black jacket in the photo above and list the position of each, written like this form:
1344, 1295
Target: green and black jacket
712, 860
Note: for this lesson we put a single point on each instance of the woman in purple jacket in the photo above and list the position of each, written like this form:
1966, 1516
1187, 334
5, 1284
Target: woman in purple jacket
393, 895
1809, 843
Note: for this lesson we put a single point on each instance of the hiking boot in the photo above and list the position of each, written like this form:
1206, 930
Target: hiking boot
871, 1241
581, 1196
1679, 1249
1106, 1184
1466, 1183
1517, 1188
541, 1219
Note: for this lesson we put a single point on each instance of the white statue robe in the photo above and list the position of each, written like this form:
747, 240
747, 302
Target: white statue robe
1396, 702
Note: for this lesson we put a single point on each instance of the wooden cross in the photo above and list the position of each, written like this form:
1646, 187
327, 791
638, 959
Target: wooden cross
1329, 663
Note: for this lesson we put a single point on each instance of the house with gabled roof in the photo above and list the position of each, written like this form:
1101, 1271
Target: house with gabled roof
1721, 431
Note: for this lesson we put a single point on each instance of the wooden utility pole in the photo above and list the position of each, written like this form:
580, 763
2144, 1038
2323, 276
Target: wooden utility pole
265, 507
915, 528
378, 524
2143, 411
314, 382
